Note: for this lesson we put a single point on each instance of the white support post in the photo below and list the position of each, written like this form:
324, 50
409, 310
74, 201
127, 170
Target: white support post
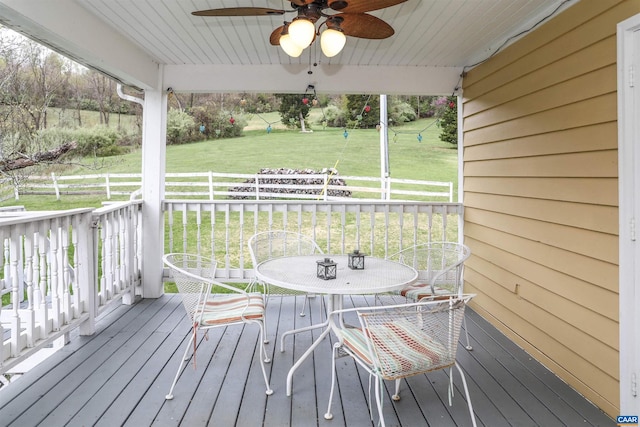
460, 123
154, 141
384, 149
210, 185
86, 262
107, 183
55, 185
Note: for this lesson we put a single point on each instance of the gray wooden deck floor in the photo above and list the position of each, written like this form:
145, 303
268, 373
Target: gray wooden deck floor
120, 375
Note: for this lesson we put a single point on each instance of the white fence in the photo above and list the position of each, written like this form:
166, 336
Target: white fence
212, 186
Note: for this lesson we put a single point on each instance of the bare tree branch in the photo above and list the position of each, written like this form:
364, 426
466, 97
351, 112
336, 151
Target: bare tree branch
37, 158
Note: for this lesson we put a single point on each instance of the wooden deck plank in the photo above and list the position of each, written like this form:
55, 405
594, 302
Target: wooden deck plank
304, 379
111, 376
121, 374
564, 402
523, 389
278, 405
70, 372
143, 380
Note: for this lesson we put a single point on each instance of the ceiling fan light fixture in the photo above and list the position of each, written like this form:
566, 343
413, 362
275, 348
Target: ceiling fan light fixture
302, 31
332, 42
289, 47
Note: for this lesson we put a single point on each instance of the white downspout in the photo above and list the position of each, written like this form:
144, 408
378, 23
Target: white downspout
139, 101
126, 97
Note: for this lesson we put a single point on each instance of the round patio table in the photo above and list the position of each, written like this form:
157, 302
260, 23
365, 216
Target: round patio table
299, 273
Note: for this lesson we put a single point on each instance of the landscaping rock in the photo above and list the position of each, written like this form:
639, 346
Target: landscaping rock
281, 178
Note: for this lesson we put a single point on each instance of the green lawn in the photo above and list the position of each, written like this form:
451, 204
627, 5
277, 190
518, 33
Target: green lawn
358, 154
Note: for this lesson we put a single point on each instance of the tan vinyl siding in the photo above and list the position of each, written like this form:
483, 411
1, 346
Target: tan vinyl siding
541, 194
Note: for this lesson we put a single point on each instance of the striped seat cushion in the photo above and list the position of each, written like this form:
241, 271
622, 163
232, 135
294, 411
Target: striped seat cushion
421, 290
230, 308
401, 349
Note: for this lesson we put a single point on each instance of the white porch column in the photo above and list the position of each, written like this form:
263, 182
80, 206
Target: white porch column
154, 140
384, 148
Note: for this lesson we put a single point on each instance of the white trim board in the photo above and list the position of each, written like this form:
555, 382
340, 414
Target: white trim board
628, 38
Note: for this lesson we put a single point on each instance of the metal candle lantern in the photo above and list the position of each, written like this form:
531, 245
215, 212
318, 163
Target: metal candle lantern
326, 269
356, 260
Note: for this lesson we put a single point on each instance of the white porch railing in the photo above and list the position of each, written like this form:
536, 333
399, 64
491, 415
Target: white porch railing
59, 270
222, 228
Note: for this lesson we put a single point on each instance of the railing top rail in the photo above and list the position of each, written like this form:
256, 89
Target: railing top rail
12, 218
112, 207
367, 202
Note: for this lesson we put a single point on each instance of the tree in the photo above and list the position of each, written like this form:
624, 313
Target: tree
362, 110
447, 112
103, 90
30, 79
293, 109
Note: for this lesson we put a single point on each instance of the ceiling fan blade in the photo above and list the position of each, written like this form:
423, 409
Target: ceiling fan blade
239, 11
274, 39
361, 6
365, 26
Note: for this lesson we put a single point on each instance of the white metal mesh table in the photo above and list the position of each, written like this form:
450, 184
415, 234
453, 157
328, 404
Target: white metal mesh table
300, 273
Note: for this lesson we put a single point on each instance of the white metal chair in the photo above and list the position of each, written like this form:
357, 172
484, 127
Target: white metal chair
278, 243
267, 245
439, 266
194, 277
400, 341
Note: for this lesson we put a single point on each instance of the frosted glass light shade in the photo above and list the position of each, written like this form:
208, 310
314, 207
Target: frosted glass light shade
302, 32
332, 41
289, 47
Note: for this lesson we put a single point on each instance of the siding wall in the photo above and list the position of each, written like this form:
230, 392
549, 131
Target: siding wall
541, 194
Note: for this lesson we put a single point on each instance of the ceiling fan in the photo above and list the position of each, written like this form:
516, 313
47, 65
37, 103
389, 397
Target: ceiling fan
341, 17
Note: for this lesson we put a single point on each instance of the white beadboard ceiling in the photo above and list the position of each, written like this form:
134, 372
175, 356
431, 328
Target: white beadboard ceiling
429, 34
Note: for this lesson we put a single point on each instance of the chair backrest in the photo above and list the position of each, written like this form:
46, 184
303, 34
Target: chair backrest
437, 263
278, 243
194, 276
411, 339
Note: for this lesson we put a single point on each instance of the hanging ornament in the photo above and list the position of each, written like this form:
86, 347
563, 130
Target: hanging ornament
452, 105
359, 117
232, 120
243, 101
419, 137
269, 129
378, 127
305, 100
345, 134
367, 108
202, 128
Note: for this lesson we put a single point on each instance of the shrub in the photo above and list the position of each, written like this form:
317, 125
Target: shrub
335, 116
180, 126
98, 141
224, 127
402, 112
